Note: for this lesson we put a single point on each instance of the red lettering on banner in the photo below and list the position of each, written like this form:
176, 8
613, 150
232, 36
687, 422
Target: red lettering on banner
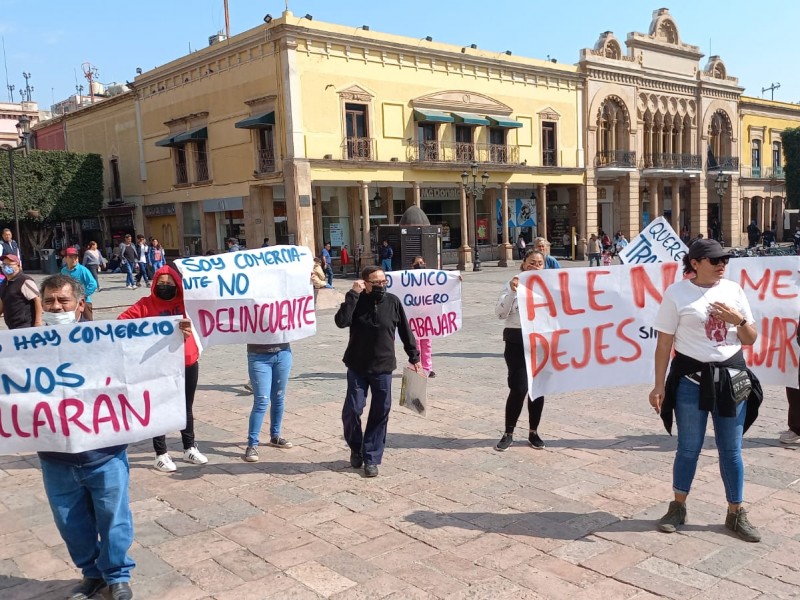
3, 432
775, 345
111, 415
591, 277
641, 283
563, 280
587, 350
43, 408
777, 286
15, 422
599, 346
74, 418
554, 353
621, 335
126, 408
531, 305
762, 284
425, 327
281, 315
538, 340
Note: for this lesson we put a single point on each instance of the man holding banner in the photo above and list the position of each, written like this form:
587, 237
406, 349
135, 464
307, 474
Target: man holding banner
88, 491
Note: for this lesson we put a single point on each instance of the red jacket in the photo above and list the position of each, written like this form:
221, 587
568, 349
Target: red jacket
153, 306
345, 257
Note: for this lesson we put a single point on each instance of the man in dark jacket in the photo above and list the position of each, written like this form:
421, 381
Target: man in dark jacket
20, 303
373, 316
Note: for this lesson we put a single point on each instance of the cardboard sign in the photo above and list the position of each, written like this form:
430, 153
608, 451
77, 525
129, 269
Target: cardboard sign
657, 242
592, 328
431, 299
260, 296
90, 385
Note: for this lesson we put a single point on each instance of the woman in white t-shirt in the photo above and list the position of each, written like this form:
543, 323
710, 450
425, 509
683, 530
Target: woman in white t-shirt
707, 319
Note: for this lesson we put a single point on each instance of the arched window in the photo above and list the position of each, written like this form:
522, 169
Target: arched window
720, 136
756, 158
612, 123
777, 159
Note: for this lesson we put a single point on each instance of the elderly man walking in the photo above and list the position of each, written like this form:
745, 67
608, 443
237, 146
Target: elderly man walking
74, 269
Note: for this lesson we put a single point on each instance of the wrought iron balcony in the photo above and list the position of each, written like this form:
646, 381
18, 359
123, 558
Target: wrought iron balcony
266, 161
748, 172
358, 148
549, 158
181, 174
622, 159
722, 163
462, 152
202, 170
670, 160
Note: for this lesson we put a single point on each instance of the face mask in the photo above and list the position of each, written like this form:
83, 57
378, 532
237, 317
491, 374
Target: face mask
166, 291
58, 318
378, 292
8, 269
419, 266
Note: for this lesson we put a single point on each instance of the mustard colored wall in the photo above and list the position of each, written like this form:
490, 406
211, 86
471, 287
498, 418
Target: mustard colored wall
771, 115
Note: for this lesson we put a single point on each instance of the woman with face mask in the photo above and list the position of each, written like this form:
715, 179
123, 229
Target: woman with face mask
165, 299
515, 361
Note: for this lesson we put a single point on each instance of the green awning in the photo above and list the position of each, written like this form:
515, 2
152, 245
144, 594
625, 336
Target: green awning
198, 133
166, 142
507, 122
470, 119
432, 116
257, 121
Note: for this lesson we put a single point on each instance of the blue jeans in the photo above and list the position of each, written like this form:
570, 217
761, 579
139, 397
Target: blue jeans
269, 374
594, 256
329, 275
373, 440
129, 274
91, 510
728, 431
386, 265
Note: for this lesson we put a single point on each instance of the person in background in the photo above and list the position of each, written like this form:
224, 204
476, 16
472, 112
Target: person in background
20, 303
114, 262
595, 250
142, 260
327, 262
424, 344
156, 256
344, 258
514, 355
542, 245
521, 246
165, 299
265, 243
88, 491
127, 254
387, 253
359, 253
318, 279
606, 258
93, 260
768, 238
374, 317
796, 239
622, 242
9, 246
753, 234
706, 320
74, 269
233, 245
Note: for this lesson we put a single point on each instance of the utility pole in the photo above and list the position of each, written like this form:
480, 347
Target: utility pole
771, 89
27, 95
227, 22
90, 72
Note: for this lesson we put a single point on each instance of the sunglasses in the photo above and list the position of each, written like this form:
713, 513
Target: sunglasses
722, 259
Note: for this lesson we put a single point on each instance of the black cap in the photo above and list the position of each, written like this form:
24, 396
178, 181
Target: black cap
706, 249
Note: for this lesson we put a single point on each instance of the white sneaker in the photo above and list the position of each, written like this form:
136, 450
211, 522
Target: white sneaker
194, 456
789, 437
164, 464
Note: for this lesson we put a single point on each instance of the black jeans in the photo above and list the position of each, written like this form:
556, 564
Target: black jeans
518, 389
793, 396
187, 434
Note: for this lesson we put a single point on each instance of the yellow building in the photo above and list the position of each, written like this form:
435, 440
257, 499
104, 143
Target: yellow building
762, 180
304, 132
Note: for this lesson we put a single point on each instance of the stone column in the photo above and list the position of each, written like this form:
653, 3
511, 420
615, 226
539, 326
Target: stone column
656, 208
730, 211
368, 258
676, 205
415, 190
506, 249
268, 212
388, 193
699, 208
589, 218
490, 200
464, 252
318, 234
541, 210
299, 212
746, 210
630, 220
766, 214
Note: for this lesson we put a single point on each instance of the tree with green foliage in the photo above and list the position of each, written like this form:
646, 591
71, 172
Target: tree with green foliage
52, 186
790, 138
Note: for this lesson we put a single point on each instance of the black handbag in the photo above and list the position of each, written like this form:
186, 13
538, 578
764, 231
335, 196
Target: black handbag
740, 384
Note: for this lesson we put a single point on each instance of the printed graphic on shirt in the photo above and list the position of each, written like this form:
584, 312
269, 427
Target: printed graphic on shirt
716, 329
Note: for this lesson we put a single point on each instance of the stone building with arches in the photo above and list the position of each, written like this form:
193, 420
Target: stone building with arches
660, 129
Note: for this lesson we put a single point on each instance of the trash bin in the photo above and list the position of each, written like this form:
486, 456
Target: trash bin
48, 256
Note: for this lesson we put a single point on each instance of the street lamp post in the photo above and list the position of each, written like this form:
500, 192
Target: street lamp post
24, 130
721, 186
475, 190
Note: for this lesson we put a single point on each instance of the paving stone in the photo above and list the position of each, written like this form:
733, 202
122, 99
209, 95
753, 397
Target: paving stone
324, 581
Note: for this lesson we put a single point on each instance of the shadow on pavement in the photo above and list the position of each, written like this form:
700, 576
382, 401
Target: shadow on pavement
318, 376
20, 588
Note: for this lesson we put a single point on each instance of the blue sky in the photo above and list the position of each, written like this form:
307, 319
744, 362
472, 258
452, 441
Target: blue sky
50, 39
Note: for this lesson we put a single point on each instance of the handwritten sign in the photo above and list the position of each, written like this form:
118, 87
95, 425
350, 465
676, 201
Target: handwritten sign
261, 296
657, 242
84, 386
592, 328
431, 299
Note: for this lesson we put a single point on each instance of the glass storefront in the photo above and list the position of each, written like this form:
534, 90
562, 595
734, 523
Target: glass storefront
192, 238
443, 207
335, 218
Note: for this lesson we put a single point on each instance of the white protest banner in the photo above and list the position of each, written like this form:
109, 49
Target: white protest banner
657, 242
90, 385
261, 296
431, 299
592, 328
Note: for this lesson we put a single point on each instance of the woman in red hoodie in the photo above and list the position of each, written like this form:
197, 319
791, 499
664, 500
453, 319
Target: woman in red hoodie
165, 299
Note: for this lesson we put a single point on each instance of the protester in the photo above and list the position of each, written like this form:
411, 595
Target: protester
387, 254
622, 242
605, 241
424, 344
233, 245
373, 317
155, 256
74, 269
707, 318
9, 246
166, 298
521, 246
344, 259
327, 261
128, 258
318, 279
768, 238
265, 243
542, 245
88, 491
20, 303
269, 366
514, 355
93, 260
595, 249
753, 234
142, 261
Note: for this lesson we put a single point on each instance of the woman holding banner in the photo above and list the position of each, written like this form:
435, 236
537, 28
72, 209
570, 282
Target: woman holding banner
515, 361
707, 319
165, 299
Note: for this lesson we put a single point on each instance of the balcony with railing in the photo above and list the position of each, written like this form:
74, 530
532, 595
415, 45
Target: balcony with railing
358, 148
615, 159
266, 161
181, 174
749, 172
549, 158
722, 163
669, 161
463, 152
202, 170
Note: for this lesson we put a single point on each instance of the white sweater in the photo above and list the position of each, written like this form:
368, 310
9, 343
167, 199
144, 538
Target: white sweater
507, 308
